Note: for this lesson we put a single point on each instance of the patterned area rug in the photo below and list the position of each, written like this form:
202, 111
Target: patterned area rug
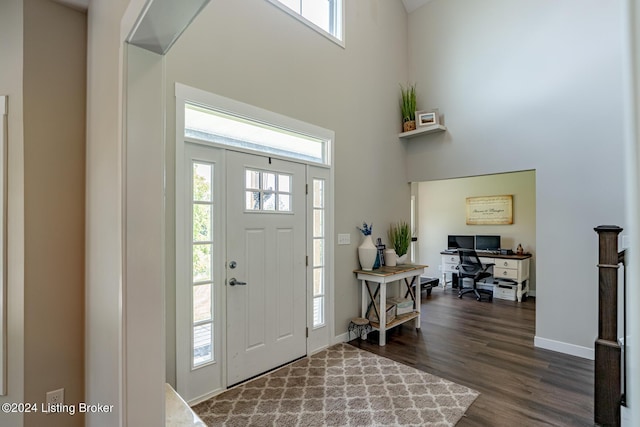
340, 386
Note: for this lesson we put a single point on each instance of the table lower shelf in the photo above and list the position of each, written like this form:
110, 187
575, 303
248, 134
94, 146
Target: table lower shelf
397, 321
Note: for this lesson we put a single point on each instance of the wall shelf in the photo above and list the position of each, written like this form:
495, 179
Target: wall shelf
422, 131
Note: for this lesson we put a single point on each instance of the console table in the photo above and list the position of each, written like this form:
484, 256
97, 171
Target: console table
376, 299
510, 268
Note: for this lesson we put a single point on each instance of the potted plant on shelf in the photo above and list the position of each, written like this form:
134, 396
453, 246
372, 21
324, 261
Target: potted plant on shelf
399, 238
408, 107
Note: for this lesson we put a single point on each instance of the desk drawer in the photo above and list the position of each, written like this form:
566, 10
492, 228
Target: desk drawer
450, 259
505, 273
504, 292
450, 268
506, 263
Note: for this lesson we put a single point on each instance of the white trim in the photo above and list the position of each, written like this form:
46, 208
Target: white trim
340, 338
188, 94
249, 151
3, 246
563, 347
320, 336
316, 28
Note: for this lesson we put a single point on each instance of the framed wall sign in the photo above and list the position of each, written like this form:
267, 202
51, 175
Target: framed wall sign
495, 210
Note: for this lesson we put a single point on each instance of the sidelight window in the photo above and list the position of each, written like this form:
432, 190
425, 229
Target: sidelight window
319, 240
202, 263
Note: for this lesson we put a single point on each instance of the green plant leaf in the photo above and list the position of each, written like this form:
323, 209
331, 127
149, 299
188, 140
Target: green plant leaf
400, 237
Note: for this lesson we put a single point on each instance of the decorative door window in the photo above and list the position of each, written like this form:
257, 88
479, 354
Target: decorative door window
268, 191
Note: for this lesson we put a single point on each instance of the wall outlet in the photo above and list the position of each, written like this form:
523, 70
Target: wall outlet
55, 397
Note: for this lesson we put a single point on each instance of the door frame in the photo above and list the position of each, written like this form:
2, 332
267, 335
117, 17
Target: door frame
318, 338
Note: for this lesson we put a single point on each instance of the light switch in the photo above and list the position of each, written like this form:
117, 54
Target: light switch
344, 239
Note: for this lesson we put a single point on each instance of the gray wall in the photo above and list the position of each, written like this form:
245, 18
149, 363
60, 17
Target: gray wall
42, 69
252, 52
54, 161
532, 85
441, 206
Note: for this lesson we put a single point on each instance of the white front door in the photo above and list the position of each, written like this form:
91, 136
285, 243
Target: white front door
266, 264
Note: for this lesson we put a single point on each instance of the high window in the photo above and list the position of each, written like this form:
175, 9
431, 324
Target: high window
324, 16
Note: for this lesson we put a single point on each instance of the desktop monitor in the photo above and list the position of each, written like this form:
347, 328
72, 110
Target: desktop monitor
458, 241
487, 243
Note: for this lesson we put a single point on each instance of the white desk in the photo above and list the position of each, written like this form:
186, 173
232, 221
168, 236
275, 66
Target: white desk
510, 268
383, 276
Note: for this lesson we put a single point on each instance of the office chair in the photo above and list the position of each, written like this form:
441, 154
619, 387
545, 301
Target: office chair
470, 267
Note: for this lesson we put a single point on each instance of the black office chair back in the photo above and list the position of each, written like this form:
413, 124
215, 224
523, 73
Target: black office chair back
469, 262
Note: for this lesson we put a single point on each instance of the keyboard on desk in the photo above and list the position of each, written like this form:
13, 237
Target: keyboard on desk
488, 252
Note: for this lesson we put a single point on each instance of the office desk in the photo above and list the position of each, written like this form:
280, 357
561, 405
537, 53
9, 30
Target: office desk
375, 299
509, 268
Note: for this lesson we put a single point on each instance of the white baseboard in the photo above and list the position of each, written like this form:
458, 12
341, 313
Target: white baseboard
625, 414
563, 347
532, 293
340, 338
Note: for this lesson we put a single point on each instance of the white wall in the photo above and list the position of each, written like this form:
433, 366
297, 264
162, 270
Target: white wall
11, 58
532, 85
255, 53
104, 227
442, 211
144, 277
632, 45
124, 306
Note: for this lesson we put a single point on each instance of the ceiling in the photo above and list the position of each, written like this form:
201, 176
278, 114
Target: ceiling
75, 4
412, 5
409, 5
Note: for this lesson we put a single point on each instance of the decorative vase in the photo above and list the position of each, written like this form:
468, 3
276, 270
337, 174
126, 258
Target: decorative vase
390, 257
402, 259
367, 253
409, 125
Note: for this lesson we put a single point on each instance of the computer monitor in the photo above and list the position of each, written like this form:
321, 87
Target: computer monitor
487, 243
459, 241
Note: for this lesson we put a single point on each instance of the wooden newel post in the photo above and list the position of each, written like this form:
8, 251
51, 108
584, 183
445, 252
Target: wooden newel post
607, 349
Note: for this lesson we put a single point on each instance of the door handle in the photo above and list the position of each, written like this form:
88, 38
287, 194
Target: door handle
233, 282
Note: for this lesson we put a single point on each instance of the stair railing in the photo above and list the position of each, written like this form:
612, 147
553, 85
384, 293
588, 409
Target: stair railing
610, 368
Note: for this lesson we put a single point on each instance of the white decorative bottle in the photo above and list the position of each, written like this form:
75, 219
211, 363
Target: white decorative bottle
367, 253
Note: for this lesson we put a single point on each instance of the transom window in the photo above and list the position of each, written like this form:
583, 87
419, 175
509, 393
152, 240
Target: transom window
267, 191
229, 129
324, 16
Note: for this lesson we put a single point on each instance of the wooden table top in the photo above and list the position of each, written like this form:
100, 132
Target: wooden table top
385, 270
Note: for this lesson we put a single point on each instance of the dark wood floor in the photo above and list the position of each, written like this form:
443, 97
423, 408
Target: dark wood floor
489, 347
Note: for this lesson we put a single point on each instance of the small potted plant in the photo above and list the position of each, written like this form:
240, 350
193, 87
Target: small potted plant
400, 238
408, 107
